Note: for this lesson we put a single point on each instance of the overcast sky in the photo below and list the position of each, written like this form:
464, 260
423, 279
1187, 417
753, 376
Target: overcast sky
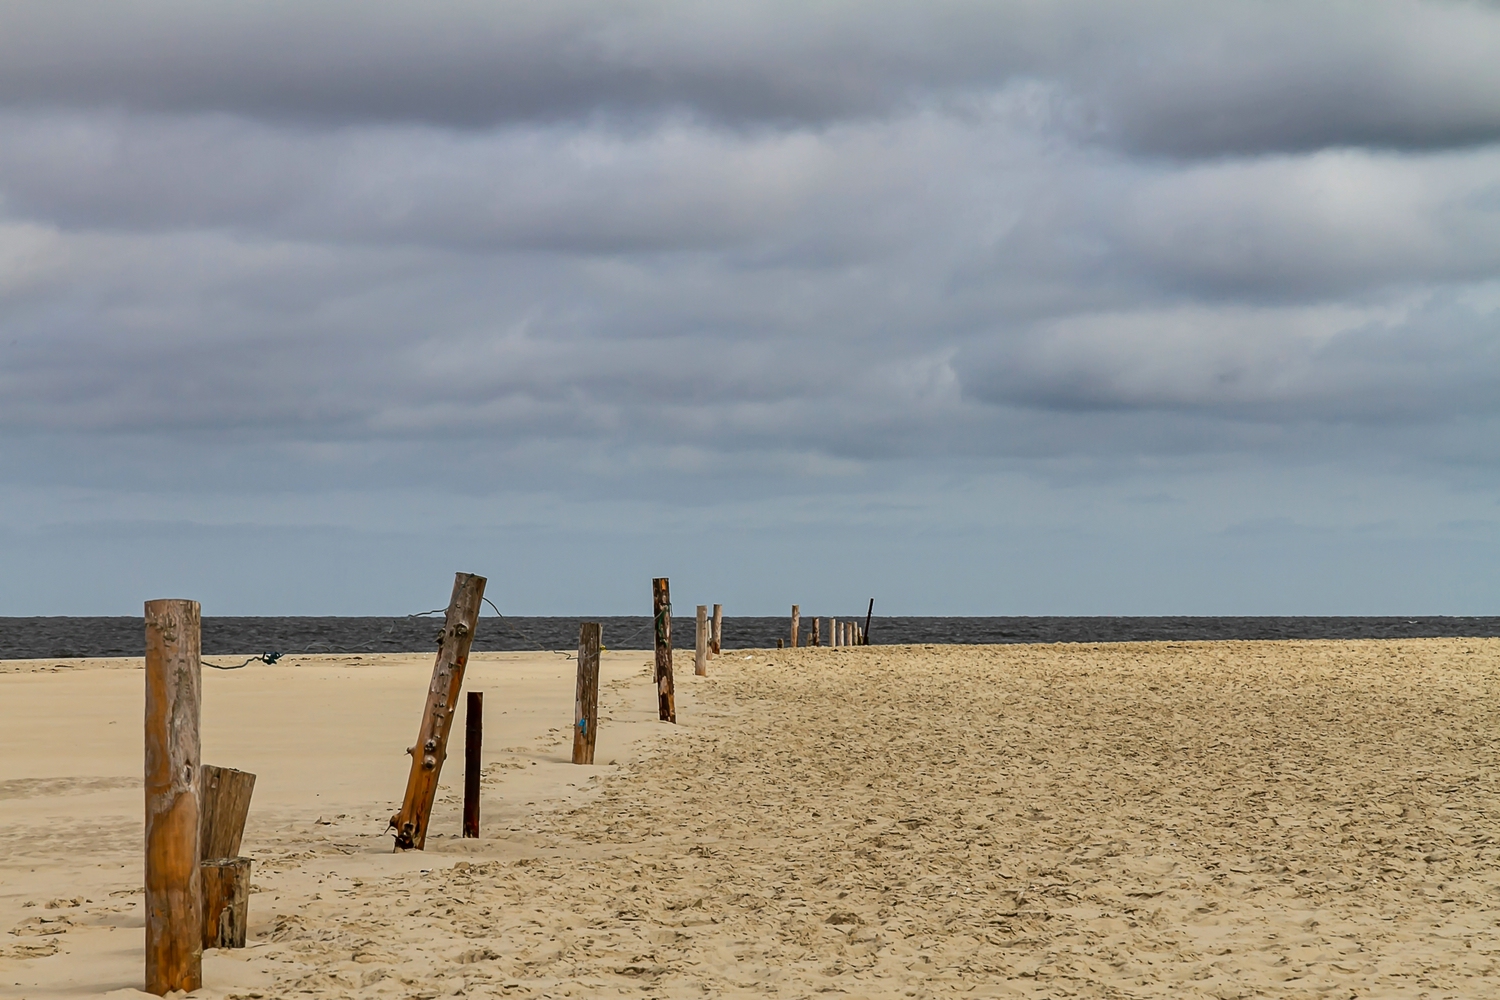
972, 307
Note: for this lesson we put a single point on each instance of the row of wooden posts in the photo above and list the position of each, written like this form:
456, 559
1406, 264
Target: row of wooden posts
197, 887
850, 633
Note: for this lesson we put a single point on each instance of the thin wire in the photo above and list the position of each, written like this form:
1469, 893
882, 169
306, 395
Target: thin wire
523, 635
267, 658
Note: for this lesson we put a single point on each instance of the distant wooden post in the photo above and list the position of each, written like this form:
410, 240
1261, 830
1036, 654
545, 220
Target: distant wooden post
226, 902
586, 701
718, 633
661, 608
700, 657
796, 624
437, 715
864, 633
833, 632
174, 903
473, 761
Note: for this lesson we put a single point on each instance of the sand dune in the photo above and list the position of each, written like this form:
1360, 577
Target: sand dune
1133, 820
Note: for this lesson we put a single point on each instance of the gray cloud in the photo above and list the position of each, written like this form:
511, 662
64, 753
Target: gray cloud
1171, 78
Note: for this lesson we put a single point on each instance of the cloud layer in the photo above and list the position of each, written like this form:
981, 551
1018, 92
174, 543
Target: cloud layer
774, 245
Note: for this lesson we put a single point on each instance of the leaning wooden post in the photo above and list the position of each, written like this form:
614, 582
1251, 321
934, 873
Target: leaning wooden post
718, 633
586, 702
796, 624
661, 606
864, 633
437, 715
174, 903
223, 806
473, 761
700, 652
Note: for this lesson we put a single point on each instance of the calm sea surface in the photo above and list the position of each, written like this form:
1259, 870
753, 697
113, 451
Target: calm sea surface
33, 638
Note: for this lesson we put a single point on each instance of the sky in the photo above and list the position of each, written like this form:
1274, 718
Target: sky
975, 308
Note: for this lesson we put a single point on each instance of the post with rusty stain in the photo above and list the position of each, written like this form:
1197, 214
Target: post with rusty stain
700, 643
473, 762
661, 608
174, 904
437, 715
718, 632
586, 700
796, 624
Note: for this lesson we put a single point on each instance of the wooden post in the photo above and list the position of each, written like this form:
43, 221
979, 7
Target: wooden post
437, 715
223, 806
833, 632
864, 633
226, 902
473, 760
174, 904
586, 702
700, 657
718, 633
817, 632
796, 624
661, 608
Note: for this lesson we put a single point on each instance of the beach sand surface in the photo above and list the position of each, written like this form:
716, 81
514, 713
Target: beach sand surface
1232, 819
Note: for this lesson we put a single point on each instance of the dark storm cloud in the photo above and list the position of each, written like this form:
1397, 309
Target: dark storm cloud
774, 237
1181, 79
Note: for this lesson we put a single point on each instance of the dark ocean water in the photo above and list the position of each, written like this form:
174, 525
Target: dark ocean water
34, 638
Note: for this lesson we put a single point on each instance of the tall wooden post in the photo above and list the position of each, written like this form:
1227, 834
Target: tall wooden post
586, 702
833, 632
700, 649
437, 715
718, 633
473, 761
864, 633
661, 606
174, 903
796, 624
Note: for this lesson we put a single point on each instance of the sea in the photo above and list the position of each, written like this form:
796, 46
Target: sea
42, 638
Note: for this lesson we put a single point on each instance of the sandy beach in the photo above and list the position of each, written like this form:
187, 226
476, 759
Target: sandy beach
1219, 820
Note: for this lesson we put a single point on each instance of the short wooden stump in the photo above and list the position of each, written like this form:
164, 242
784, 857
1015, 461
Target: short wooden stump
226, 901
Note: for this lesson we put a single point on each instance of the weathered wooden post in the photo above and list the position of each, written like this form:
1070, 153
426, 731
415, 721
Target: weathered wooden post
864, 633
437, 715
817, 632
661, 605
700, 652
174, 901
223, 806
833, 632
796, 624
718, 633
226, 901
586, 702
473, 761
